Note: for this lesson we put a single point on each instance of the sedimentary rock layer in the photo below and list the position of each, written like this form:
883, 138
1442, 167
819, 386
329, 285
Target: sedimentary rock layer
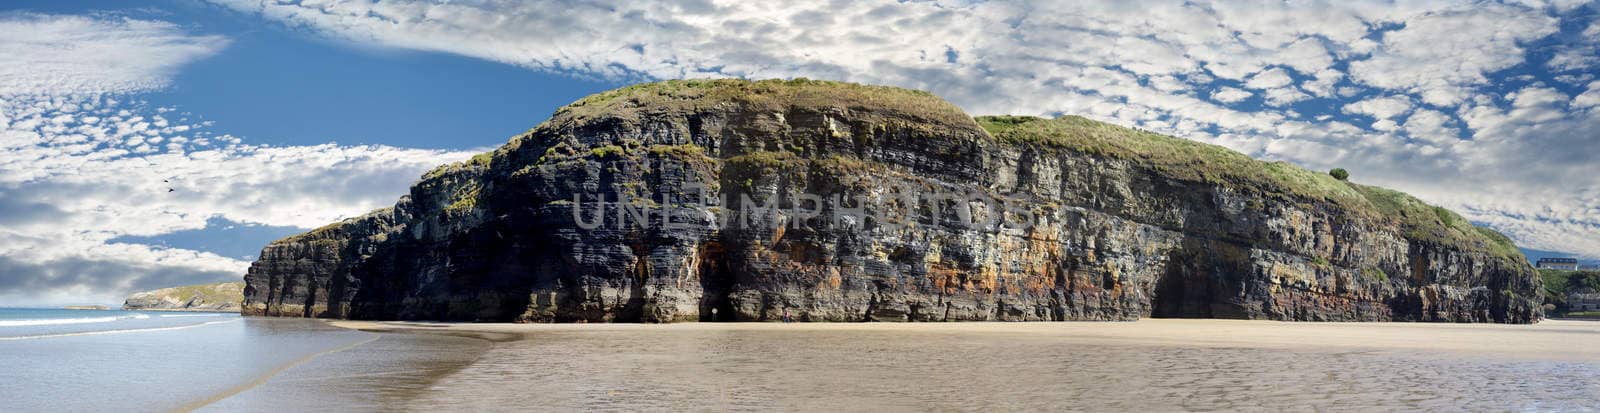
734, 200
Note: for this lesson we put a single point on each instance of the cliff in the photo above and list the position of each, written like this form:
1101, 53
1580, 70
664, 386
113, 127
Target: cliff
219, 297
736, 200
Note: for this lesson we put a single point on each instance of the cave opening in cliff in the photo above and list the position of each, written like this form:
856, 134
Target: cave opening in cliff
1167, 300
1180, 292
716, 284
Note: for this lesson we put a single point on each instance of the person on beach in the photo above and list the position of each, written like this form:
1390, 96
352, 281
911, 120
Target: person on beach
786, 317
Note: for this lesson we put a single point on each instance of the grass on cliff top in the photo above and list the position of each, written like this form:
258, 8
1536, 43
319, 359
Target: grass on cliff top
1179, 158
1433, 223
688, 96
335, 228
219, 292
633, 103
1192, 161
479, 160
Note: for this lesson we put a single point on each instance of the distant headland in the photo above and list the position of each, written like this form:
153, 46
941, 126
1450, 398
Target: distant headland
219, 297
86, 307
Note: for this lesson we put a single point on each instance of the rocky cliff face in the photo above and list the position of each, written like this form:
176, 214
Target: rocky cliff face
220, 297
734, 200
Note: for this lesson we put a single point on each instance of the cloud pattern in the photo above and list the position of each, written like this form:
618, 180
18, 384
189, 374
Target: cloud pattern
1440, 99
83, 161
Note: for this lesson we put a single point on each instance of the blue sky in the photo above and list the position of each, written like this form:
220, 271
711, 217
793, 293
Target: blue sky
269, 74
267, 118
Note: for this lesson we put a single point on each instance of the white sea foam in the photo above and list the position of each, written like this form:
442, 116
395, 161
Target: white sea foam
133, 330
57, 321
73, 320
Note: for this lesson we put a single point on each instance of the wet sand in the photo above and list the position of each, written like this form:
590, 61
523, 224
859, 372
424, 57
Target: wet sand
1550, 339
378, 374
1163, 365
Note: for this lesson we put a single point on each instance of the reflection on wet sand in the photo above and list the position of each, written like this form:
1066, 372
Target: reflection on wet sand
1154, 364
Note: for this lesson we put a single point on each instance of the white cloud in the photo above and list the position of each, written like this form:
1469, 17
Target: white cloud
1230, 94
1432, 126
1580, 55
1284, 96
72, 54
1589, 98
1106, 60
82, 162
1573, 59
1381, 108
1323, 83
1442, 56
97, 184
1269, 79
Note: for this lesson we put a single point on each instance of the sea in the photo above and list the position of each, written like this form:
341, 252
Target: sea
110, 360
134, 361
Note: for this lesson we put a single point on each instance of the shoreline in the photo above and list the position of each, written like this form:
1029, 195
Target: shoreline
182, 310
267, 376
386, 355
1189, 364
1175, 364
1553, 339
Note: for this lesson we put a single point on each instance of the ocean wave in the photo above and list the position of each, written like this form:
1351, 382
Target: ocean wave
57, 321
65, 321
191, 315
132, 330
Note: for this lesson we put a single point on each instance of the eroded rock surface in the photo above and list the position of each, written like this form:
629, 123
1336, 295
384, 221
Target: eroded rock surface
891, 205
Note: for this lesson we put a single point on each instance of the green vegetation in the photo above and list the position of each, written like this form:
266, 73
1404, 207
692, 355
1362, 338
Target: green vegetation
1340, 174
337, 229
477, 161
86, 307
1211, 164
1582, 314
1435, 224
1558, 283
210, 290
481, 159
1179, 158
690, 96
1562, 282
765, 160
219, 292
1320, 262
607, 151
1376, 274
684, 151
465, 198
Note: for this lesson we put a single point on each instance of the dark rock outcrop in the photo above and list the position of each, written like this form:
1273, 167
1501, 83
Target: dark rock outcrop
888, 205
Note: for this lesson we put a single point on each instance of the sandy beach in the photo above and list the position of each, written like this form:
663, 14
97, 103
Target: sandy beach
1547, 340
1159, 365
